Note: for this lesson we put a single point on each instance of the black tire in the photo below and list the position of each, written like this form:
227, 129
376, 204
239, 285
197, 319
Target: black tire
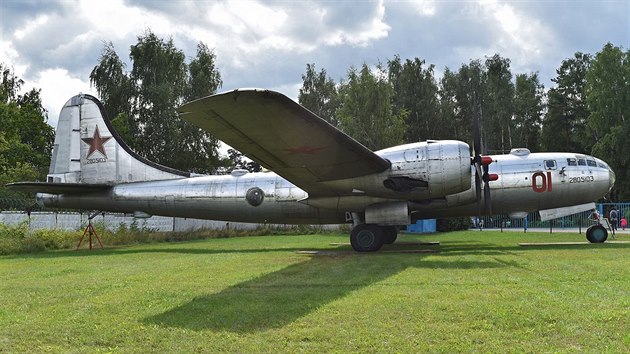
366, 238
390, 234
596, 234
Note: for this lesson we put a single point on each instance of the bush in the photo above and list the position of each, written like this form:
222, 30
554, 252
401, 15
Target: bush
453, 224
54, 239
18, 239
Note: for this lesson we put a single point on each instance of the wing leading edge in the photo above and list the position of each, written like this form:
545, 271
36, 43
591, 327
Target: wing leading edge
284, 137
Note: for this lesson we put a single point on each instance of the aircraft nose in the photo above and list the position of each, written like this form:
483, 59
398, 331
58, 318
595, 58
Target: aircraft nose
611, 178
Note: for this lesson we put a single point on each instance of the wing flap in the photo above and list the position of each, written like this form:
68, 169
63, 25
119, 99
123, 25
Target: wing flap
283, 136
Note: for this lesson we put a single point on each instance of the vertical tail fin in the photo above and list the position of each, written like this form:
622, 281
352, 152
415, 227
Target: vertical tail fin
87, 149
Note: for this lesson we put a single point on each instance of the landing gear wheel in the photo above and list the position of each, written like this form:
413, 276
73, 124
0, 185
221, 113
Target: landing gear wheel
366, 238
596, 234
390, 233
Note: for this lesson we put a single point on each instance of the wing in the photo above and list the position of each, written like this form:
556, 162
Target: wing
284, 137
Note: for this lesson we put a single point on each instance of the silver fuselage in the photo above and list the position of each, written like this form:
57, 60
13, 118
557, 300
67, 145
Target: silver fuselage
525, 183
93, 169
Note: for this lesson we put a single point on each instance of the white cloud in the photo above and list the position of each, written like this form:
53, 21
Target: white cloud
9, 56
113, 19
426, 7
31, 26
59, 86
369, 31
519, 36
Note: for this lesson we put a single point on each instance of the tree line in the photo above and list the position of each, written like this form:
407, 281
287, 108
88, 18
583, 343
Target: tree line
402, 101
399, 101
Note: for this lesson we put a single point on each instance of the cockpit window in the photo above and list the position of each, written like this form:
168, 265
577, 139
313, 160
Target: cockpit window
581, 162
601, 165
591, 163
550, 164
571, 162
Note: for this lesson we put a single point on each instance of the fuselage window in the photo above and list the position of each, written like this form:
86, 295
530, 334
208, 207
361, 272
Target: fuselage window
571, 162
550, 164
581, 162
591, 163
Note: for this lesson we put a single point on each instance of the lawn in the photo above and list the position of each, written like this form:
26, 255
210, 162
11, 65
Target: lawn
481, 292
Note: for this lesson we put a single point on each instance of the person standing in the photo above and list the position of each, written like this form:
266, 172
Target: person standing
613, 216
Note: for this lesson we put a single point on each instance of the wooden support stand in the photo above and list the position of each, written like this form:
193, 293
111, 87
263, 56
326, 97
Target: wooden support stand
89, 230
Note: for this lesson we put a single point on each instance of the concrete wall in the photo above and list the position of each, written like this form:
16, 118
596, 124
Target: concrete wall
76, 221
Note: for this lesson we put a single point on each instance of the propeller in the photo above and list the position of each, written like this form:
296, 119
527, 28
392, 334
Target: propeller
480, 162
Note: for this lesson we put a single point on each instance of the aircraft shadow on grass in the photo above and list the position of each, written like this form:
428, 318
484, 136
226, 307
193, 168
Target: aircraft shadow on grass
279, 298
452, 248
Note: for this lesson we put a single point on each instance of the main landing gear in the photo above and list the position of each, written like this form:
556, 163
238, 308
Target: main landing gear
371, 237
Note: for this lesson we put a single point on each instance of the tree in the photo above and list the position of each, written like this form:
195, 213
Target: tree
528, 108
319, 94
158, 77
607, 92
239, 162
415, 95
200, 149
25, 137
455, 126
204, 77
143, 102
115, 91
565, 123
366, 113
11, 84
498, 106
23, 125
459, 92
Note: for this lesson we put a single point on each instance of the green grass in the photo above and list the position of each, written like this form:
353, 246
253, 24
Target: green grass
481, 293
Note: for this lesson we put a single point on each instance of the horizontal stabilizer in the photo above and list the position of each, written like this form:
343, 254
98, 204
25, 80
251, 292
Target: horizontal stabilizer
57, 188
549, 214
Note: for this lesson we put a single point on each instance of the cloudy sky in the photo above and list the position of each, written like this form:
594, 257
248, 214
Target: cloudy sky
53, 45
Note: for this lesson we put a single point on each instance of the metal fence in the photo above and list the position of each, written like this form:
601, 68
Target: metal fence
580, 221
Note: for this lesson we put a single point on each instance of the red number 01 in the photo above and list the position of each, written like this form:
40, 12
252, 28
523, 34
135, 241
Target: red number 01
546, 182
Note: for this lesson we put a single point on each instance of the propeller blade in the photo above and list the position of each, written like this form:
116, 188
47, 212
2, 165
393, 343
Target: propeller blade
486, 189
476, 159
476, 135
486, 198
478, 191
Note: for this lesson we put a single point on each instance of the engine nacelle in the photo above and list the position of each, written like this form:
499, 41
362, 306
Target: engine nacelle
392, 213
439, 167
419, 171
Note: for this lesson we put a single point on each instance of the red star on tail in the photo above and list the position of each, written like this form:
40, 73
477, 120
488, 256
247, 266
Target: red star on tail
96, 143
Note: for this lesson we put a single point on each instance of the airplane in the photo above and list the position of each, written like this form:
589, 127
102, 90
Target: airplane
319, 174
